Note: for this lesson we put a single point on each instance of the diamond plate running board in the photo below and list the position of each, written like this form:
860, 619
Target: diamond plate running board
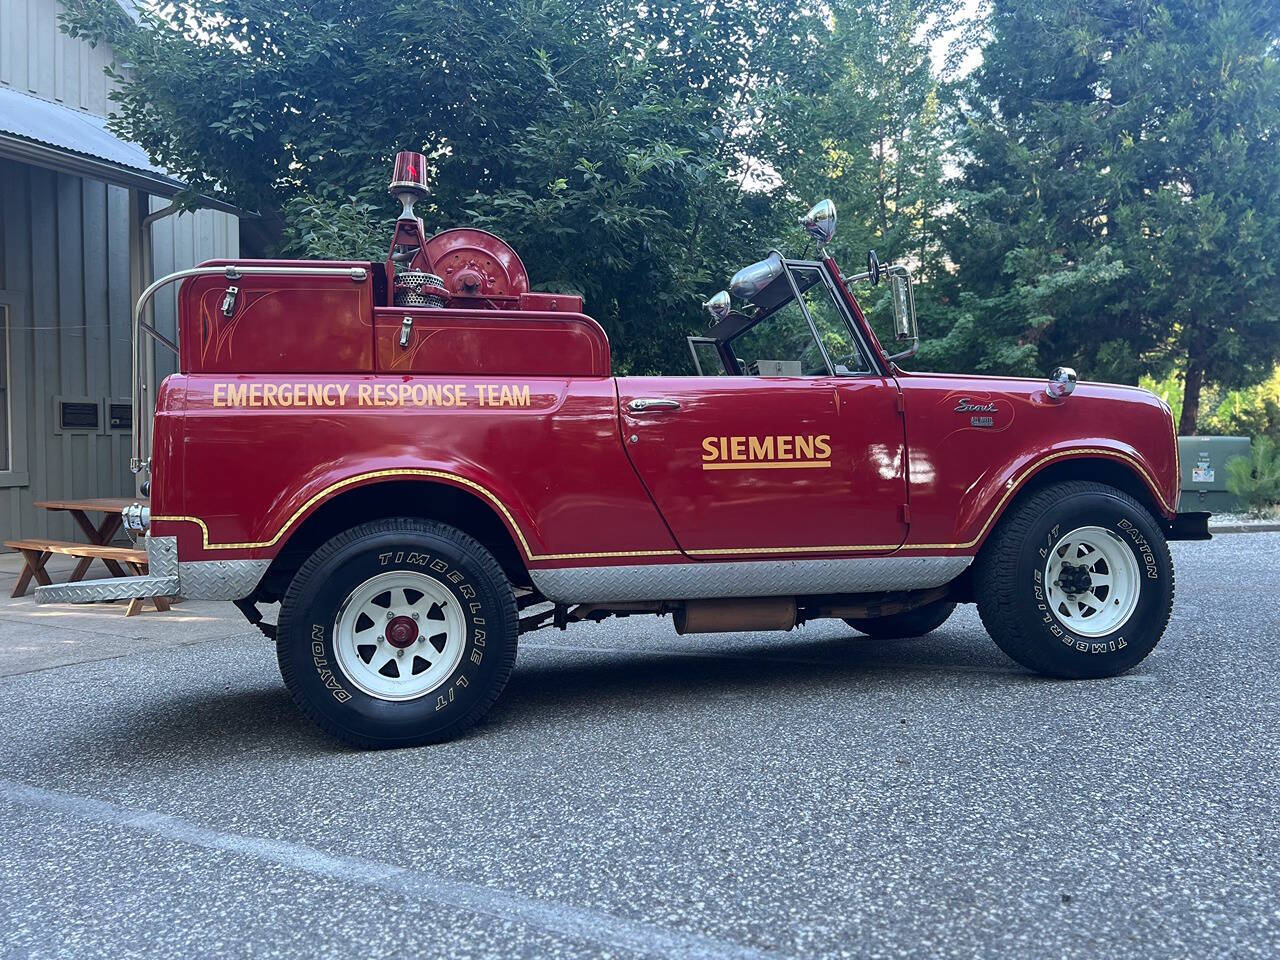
160, 581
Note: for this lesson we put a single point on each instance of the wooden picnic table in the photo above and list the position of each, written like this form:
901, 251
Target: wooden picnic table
100, 535
37, 551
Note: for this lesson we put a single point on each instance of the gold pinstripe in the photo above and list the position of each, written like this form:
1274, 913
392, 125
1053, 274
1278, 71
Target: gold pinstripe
1011, 488
406, 472
1009, 491
727, 551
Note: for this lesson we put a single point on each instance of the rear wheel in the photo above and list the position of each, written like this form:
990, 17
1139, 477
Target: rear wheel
905, 625
396, 633
1077, 581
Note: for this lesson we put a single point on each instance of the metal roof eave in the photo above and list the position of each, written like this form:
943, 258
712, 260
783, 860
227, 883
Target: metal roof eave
78, 164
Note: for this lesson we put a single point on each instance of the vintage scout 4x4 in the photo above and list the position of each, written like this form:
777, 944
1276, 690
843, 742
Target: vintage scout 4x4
422, 459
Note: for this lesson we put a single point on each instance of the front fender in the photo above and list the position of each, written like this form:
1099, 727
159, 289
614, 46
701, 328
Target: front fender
987, 500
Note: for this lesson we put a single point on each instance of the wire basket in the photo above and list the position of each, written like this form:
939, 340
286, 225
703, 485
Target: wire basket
412, 289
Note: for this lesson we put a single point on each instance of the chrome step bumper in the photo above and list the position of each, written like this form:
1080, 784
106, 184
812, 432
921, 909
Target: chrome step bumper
166, 577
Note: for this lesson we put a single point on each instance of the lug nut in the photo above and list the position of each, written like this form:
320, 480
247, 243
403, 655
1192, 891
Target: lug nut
399, 653
414, 615
390, 615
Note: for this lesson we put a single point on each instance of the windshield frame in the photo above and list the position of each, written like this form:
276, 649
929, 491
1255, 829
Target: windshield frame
725, 331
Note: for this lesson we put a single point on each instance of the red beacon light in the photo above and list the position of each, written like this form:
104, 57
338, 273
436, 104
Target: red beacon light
409, 181
410, 265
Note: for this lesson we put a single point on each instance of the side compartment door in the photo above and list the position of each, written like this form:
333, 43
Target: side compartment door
770, 467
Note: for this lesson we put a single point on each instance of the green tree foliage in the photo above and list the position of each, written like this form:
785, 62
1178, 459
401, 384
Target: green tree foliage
1120, 205
876, 140
1255, 479
1252, 411
1117, 205
601, 138
1244, 412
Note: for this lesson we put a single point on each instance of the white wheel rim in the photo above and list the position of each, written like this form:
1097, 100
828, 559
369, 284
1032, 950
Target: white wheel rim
399, 635
1092, 581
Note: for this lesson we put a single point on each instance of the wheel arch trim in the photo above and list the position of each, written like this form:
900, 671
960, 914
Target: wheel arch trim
372, 477
1016, 480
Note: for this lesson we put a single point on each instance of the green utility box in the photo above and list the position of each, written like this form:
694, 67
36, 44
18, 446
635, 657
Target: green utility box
1204, 472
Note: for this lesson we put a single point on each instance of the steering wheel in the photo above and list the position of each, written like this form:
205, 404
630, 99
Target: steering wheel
873, 268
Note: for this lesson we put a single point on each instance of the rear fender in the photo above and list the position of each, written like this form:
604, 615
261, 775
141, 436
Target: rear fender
291, 509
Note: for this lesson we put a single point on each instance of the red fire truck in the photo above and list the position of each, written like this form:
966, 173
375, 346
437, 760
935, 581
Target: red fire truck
422, 459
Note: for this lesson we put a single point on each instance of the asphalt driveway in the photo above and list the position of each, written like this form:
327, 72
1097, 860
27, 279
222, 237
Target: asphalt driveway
807, 794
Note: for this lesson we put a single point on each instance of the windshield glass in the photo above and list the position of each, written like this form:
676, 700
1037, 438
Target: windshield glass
782, 344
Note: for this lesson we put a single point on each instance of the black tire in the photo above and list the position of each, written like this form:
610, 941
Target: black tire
905, 625
484, 621
1013, 598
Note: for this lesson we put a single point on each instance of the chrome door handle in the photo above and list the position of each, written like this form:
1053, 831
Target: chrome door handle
645, 404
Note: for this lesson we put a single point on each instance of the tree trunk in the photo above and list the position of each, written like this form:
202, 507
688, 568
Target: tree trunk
1191, 396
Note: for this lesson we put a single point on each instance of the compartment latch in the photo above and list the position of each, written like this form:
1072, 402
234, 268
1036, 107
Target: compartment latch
406, 329
229, 301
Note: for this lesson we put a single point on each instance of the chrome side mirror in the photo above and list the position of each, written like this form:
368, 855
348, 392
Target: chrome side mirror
1062, 383
718, 306
902, 296
904, 308
820, 222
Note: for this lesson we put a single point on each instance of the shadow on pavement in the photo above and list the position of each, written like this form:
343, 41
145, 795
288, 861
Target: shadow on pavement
588, 678
203, 730
199, 729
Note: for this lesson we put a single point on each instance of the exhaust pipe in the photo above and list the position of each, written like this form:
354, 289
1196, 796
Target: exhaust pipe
728, 616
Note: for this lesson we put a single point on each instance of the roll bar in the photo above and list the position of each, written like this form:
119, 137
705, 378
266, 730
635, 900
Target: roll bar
138, 462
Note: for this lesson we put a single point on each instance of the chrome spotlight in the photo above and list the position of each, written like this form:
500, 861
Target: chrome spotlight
820, 222
718, 306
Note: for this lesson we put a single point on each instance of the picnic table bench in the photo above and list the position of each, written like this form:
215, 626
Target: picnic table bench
37, 551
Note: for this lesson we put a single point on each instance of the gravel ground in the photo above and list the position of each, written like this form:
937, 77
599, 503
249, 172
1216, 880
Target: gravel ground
635, 793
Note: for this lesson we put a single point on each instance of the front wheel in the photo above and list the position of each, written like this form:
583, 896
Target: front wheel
397, 632
1076, 581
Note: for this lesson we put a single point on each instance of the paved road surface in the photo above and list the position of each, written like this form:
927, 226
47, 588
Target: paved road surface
759, 795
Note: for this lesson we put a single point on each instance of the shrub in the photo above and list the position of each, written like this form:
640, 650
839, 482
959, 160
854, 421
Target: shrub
1255, 479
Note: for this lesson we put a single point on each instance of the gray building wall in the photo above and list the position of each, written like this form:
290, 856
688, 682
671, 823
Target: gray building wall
65, 285
38, 58
65, 281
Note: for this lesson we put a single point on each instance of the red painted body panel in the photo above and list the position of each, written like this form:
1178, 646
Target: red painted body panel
168, 436
552, 469
780, 501
489, 343
517, 408
960, 472
279, 325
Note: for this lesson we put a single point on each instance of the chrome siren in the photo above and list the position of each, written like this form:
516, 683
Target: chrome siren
750, 280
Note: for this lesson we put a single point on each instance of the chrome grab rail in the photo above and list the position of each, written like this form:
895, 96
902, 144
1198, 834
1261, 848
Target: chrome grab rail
137, 463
